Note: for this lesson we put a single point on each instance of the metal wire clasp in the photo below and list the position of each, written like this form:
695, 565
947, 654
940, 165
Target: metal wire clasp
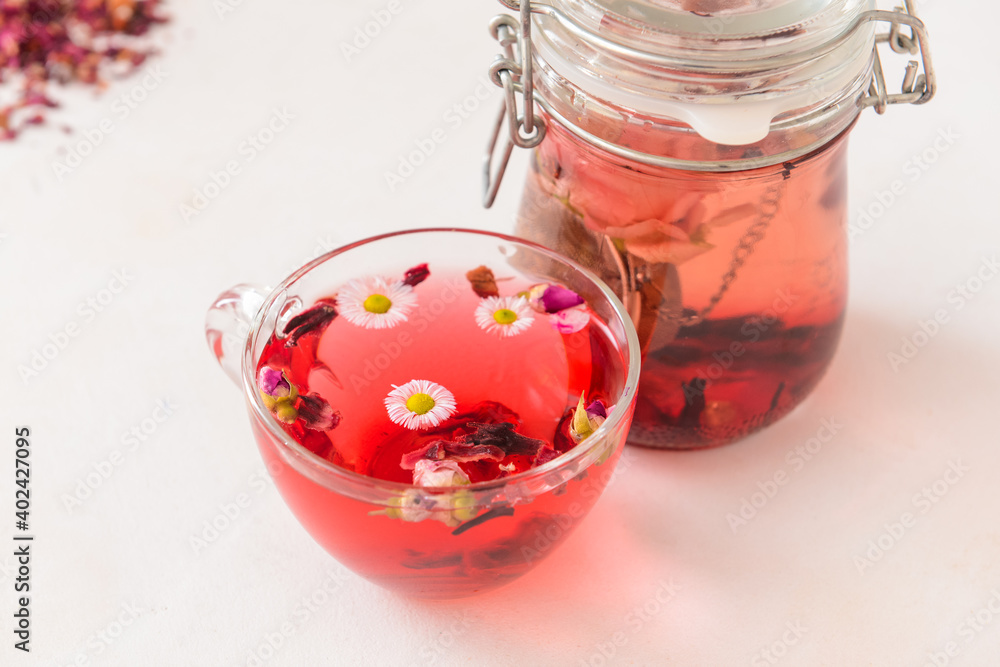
512, 72
916, 89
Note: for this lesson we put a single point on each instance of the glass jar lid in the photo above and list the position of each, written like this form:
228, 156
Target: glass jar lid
748, 83
726, 68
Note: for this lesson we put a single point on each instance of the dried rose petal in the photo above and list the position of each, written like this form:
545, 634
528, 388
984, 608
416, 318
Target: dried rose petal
557, 297
432, 451
273, 383
570, 321
67, 41
587, 419
597, 409
416, 275
312, 319
483, 282
439, 474
317, 414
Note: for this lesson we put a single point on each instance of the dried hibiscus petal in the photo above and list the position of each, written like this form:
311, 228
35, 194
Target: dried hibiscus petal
545, 454
505, 437
462, 452
416, 275
316, 318
317, 414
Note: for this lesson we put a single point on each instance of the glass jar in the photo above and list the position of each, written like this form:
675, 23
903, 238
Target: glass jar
693, 154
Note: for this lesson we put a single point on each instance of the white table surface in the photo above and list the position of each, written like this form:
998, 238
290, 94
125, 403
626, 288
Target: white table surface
656, 575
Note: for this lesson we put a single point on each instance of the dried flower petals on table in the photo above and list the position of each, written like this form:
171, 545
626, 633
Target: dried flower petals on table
67, 41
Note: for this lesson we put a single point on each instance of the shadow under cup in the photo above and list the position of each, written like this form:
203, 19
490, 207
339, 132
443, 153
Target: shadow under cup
509, 524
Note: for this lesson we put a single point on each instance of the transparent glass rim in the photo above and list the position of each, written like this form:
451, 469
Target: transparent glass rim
335, 473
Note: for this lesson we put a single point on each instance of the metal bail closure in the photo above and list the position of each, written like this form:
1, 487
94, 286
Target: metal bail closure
917, 89
512, 72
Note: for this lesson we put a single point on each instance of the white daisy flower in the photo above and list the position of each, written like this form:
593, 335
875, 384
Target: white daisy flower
504, 315
419, 404
376, 303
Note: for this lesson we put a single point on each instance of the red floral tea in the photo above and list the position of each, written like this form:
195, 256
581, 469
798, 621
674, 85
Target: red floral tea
440, 381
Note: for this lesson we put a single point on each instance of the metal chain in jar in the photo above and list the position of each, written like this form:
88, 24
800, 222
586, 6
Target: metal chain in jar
747, 244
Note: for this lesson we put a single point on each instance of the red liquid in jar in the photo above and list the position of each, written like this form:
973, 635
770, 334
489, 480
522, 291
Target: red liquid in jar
737, 281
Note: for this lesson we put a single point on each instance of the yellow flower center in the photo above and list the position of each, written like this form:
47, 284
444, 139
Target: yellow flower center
378, 304
505, 316
420, 404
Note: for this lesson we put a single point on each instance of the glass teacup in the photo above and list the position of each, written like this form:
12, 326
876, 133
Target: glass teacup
465, 536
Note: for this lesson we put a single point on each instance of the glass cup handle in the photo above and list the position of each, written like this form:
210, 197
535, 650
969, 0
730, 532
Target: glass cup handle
228, 323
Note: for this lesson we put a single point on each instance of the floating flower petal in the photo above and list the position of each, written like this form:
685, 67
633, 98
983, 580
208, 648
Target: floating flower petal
462, 452
439, 473
317, 414
545, 454
278, 394
587, 419
316, 318
504, 436
597, 409
376, 303
570, 320
483, 282
273, 383
419, 404
506, 316
416, 275
551, 298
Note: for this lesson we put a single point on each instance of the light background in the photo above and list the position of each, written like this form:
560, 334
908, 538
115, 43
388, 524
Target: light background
321, 183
